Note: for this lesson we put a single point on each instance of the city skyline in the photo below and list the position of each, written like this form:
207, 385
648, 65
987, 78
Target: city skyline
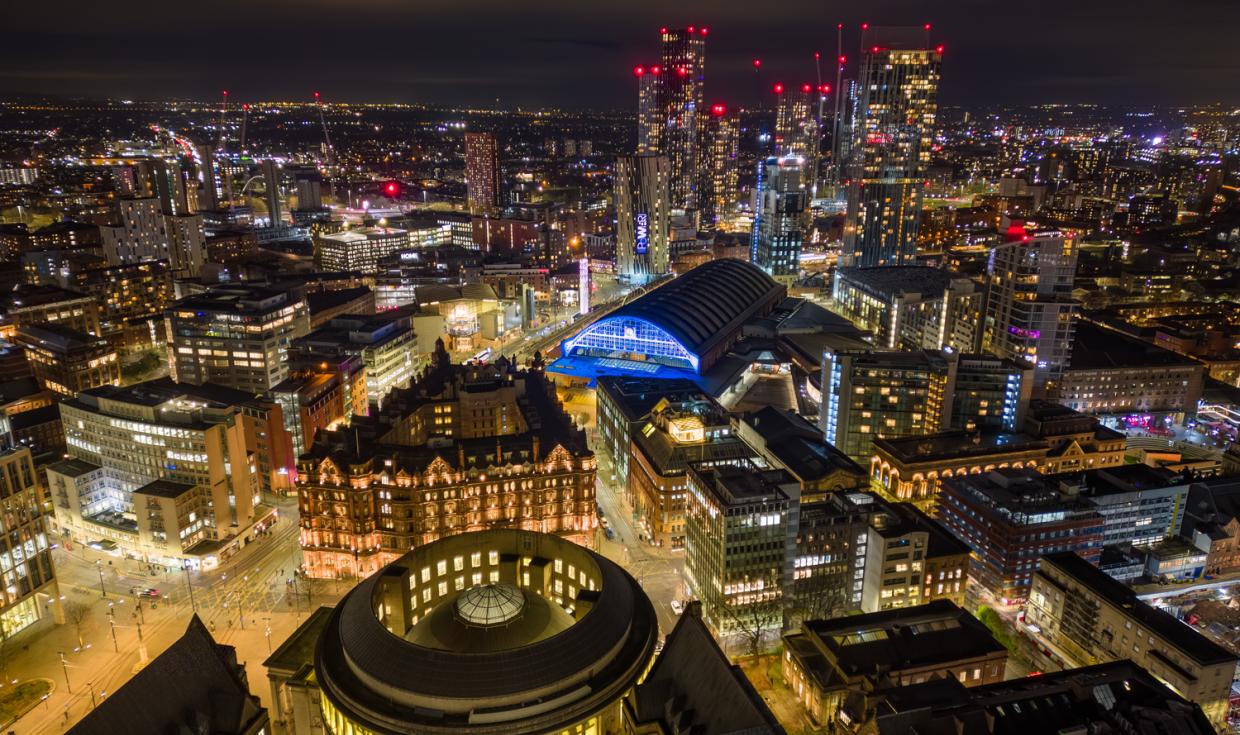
561, 57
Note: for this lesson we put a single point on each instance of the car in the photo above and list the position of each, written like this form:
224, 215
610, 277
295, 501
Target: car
678, 607
149, 592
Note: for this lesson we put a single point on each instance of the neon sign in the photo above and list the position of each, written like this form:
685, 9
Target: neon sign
641, 227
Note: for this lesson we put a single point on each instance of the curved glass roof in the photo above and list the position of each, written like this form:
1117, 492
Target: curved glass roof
489, 604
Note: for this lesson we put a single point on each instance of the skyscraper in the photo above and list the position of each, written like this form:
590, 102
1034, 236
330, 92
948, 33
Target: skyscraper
1030, 313
779, 220
482, 173
650, 118
898, 87
721, 173
643, 216
684, 59
271, 180
797, 131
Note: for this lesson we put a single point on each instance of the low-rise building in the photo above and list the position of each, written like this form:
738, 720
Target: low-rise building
385, 343
786, 440
48, 305
1120, 375
910, 560
327, 304
358, 249
1112, 697
67, 361
623, 405
1010, 518
838, 669
673, 435
1094, 619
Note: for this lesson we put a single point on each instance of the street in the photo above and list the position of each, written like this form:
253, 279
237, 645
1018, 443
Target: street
246, 603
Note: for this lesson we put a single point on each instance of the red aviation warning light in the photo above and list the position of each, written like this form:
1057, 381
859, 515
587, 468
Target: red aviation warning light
806, 88
926, 26
317, 95
681, 71
824, 88
690, 29
874, 50
757, 64
655, 70
703, 30
245, 107
938, 49
865, 26
779, 88
718, 110
843, 59
638, 71
663, 29
392, 188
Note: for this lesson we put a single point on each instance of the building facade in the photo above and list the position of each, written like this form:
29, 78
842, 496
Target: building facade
643, 217
30, 599
482, 177
779, 217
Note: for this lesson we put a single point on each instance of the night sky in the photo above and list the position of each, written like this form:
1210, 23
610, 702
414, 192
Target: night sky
579, 53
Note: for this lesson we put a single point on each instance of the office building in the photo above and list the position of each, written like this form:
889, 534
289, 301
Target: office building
385, 343
1093, 619
482, 177
673, 435
988, 393
721, 173
358, 250
910, 559
236, 335
194, 681
681, 98
500, 631
869, 395
1112, 374
127, 294
643, 217
33, 305
1030, 314
779, 219
466, 447
1114, 697
890, 145
911, 307
1011, 517
1077, 441
170, 473
67, 361
838, 669
30, 599
740, 542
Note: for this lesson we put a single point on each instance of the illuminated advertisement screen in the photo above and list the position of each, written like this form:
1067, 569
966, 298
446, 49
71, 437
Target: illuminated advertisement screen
641, 227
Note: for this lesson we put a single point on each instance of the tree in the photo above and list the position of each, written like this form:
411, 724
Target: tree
754, 619
78, 613
994, 623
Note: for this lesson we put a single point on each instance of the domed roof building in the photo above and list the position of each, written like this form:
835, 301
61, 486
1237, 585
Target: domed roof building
500, 631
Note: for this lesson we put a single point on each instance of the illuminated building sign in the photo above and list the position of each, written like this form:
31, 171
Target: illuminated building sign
1025, 333
641, 228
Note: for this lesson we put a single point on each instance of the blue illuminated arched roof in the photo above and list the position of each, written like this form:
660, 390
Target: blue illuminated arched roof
706, 304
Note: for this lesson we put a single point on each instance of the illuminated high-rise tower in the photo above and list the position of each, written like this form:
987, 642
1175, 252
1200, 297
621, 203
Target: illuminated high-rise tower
721, 172
898, 86
778, 226
797, 129
650, 117
643, 216
482, 173
684, 59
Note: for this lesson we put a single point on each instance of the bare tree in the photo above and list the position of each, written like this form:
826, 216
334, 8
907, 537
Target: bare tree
753, 620
78, 613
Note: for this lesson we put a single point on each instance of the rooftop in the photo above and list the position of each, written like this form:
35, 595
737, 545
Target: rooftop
892, 281
1186, 639
635, 397
1099, 348
164, 489
798, 444
742, 482
329, 299
953, 444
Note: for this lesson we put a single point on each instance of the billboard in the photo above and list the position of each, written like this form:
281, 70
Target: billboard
641, 228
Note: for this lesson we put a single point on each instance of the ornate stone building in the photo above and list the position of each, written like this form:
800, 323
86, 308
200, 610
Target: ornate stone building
465, 448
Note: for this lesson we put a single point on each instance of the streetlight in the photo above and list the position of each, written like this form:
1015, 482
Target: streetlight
102, 590
268, 633
188, 585
64, 664
112, 622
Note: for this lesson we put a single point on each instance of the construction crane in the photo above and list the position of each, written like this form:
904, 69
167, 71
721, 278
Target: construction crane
327, 139
245, 119
219, 146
